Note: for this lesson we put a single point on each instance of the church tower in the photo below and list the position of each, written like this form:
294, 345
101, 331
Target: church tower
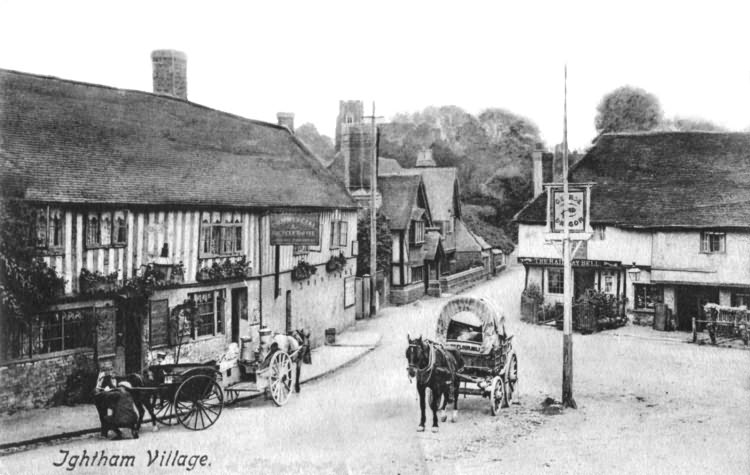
355, 144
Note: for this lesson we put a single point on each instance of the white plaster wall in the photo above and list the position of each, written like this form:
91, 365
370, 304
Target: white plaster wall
681, 250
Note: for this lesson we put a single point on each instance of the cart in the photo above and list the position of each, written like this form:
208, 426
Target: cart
188, 393
273, 376
477, 331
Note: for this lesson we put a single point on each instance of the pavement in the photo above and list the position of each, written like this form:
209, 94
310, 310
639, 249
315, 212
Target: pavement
35, 426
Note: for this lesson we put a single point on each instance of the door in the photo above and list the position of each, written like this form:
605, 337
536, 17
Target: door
583, 279
239, 311
288, 312
129, 338
689, 302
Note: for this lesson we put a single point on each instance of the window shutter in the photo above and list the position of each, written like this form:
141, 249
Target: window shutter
704, 242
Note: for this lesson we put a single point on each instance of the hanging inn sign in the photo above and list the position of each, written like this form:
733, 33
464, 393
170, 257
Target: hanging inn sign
578, 210
300, 229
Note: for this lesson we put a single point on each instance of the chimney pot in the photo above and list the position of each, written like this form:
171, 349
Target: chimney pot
170, 73
286, 119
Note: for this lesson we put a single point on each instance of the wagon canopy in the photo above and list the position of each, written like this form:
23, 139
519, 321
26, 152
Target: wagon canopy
470, 319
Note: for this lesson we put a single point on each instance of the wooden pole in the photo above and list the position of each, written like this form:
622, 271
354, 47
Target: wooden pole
373, 211
567, 389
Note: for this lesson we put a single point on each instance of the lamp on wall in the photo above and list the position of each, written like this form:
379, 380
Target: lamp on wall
634, 273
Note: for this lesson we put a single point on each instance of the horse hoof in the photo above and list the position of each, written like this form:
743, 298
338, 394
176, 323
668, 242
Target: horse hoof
420, 429
443, 417
435, 430
135, 435
155, 429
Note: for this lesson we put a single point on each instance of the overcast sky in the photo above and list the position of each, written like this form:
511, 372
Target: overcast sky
257, 58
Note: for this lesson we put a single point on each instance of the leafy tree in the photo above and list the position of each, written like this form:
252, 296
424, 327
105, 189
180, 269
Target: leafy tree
27, 283
321, 145
691, 124
383, 246
628, 109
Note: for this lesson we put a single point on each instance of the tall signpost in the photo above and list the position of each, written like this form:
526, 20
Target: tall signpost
568, 220
373, 213
567, 379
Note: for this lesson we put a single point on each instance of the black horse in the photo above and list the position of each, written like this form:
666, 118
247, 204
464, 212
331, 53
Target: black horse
435, 367
114, 397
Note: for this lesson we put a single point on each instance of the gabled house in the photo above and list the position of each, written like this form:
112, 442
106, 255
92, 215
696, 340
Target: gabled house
407, 208
670, 218
219, 210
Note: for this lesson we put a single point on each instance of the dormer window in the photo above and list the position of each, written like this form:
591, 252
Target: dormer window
417, 232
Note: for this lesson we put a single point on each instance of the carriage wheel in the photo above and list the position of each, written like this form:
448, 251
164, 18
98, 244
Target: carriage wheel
511, 380
497, 394
230, 396
198, 402
281, 378
164, 410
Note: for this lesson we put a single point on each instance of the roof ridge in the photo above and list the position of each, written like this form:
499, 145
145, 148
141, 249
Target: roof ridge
146, 93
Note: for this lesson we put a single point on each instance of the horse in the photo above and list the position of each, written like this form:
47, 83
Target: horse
297, 340
435, 367
108, 394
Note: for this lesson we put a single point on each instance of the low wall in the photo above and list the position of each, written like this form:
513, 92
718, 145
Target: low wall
35, 382
406, 294
457, 282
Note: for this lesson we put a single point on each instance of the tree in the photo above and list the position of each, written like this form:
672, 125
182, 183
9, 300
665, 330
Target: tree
383, 247
692, 124
628, 109
321, 145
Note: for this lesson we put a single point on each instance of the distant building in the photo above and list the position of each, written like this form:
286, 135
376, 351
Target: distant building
670, 216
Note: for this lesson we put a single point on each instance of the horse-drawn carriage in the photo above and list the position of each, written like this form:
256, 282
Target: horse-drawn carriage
477, 331
194, 394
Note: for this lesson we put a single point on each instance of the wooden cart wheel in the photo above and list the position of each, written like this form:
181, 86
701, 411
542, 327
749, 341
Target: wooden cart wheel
511, 380
230, 396
497, 394
164, 410
281, 378
198, 402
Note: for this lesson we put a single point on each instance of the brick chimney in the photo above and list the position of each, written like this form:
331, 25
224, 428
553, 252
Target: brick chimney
286, 119
170, 73
537, 172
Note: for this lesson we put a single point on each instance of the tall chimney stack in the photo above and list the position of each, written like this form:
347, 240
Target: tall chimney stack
286, 119
537, 172
170, 73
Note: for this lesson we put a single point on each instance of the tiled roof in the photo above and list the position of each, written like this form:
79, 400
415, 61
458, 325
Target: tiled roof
399, 194
465, 240
83, 143
431, 244
441, 184
663, 180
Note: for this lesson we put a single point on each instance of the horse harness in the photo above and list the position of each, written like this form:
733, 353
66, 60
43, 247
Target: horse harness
425, 374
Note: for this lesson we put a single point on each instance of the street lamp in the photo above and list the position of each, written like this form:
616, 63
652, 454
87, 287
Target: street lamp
634, 273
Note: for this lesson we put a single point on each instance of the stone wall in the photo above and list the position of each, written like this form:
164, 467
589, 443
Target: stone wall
457, 282
34, 382
406, 294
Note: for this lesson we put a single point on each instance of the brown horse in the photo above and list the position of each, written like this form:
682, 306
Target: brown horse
434, 367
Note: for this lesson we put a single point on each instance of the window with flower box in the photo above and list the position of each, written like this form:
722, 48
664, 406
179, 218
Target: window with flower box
221, 234
209, 319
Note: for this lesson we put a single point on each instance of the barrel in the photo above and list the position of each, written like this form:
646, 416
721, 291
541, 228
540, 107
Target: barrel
330, 336
660, 317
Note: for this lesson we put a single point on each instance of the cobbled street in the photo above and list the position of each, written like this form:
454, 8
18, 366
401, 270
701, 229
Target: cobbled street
645, 405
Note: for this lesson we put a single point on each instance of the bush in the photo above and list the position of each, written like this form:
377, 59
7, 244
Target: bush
534, 292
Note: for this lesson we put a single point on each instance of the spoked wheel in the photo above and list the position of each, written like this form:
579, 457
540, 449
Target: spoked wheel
164, 410
281, 378
511, 380
198, 402
497, 394
230, 396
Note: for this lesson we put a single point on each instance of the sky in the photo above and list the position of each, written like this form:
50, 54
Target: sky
256, 58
